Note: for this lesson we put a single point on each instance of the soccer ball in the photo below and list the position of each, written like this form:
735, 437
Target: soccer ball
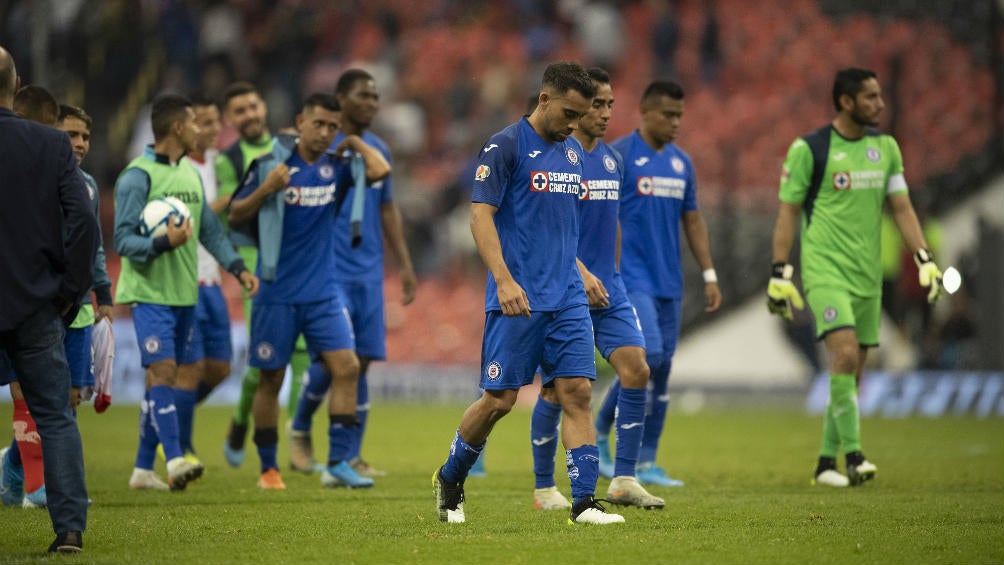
157, 213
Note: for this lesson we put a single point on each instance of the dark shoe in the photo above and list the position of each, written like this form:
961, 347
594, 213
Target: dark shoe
449, 499
67, 542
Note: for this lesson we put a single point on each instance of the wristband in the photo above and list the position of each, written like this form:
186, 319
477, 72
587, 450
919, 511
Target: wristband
710, 276
781, 270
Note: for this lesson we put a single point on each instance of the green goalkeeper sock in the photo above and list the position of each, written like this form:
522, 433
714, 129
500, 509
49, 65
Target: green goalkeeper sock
831, 439
298, 366
844, 410
249, 384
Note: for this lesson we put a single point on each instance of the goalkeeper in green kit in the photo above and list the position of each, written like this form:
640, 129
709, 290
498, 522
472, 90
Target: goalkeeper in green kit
836, 179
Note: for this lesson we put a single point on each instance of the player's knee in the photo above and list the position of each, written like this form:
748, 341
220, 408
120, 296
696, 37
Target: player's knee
549, 394
498, 405
845, 359
270, 381
635, 375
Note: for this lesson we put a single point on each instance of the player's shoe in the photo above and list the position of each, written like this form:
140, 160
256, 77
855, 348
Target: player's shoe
365, 469
233, 446
189, 455
11, 480
449, 499
651, 474
146, 479
478, 469
589, 511
67, 542
343, 475
830, 478
861, 473
35, 499
627, 491
271, 480
181, 471
550, 499
606, 462
301, 450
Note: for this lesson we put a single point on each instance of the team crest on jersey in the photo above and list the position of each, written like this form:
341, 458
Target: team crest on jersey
152, 345
841, 181
583, 191
538, 181
264, 351
572, 156
494, 371
292, 196
645, 186
829, 314
873, 155
327, 172
482, 173
609, 164
677, 164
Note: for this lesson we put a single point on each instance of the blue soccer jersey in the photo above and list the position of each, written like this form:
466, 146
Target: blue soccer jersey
659, 186
599, 203
363, 263
307, 261
535, 185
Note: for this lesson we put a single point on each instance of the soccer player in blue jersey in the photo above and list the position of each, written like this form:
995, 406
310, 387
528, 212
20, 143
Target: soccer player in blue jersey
616, 329
524, 218
292, 195
660, 193
359, 275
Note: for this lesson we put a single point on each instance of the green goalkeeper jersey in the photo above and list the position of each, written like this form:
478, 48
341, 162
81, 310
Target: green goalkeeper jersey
842, 206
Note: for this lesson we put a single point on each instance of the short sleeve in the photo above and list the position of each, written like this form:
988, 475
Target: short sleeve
796, 173
494, 170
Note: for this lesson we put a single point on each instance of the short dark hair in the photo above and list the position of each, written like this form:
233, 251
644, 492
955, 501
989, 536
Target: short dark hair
201, 99
349, 79
36, 104
323, 100
239, 88
849, 81
565, 76
661, 88
167, 109
599, 75
68, 111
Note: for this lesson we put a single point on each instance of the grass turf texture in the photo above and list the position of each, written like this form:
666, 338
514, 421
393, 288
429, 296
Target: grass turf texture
938, 498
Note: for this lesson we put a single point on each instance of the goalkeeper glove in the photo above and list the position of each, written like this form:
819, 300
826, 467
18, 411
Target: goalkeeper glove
929, 274
781, 292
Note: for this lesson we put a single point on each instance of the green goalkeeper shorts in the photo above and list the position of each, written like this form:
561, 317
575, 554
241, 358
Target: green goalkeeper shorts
836, 309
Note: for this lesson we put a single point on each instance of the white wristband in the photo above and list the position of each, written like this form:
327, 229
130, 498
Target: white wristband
710, 276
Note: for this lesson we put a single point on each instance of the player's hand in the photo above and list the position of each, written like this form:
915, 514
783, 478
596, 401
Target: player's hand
929, 274
712, 297
277, 179
408, 285
513, 299
350, 143
781, 292
179, 235
249, 282
595, 291
103, 312
75, 397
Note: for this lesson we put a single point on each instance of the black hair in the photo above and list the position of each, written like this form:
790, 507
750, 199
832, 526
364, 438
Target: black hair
201, 99
36, 104
661, 88
323, 100
239, 88
349, 79
166, 110
599, 75
565, 76
68, 111
849, 81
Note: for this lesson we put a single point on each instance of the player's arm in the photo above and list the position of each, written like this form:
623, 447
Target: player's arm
377, 167
131, 193
102, 283
595, 291
249, 199
696, 230
227, 178
393, 232
81, 233
913, 236
781, 292
219, 204
511, 295
213, 237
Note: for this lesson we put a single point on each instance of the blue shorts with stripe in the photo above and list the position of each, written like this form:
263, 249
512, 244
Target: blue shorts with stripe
325, 326
660, 324
164, 332
77, 344
212, 328
365, 303
616, 326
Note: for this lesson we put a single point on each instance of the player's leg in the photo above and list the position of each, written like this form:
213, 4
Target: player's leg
867, 314
217, 348
233, 447
143, 476
185, 397
274, 329
316, 383
604, 421
24, 457
298, 366
544, 446
365, 302
568, 362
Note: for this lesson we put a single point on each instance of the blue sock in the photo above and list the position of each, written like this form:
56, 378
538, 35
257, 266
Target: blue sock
266, 440
461, 459
311, 396
583, 470
655, 419
203, 391
341, 431
605, 416
185, 401
630, 425
362, 413
544, 441
148, 440
165, 419
14, 454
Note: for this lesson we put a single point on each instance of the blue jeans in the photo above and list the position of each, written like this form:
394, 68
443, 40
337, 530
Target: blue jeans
36, 351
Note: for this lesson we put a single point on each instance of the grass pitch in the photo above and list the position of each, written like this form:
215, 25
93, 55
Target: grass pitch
938, 498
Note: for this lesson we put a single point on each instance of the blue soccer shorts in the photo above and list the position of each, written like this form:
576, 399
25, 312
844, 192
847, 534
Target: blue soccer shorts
325, 326
164, 332
559, 342
77, 344
212, 328
660, 324
365, 303
616, 326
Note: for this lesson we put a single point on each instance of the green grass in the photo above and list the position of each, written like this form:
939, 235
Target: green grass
938, 498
